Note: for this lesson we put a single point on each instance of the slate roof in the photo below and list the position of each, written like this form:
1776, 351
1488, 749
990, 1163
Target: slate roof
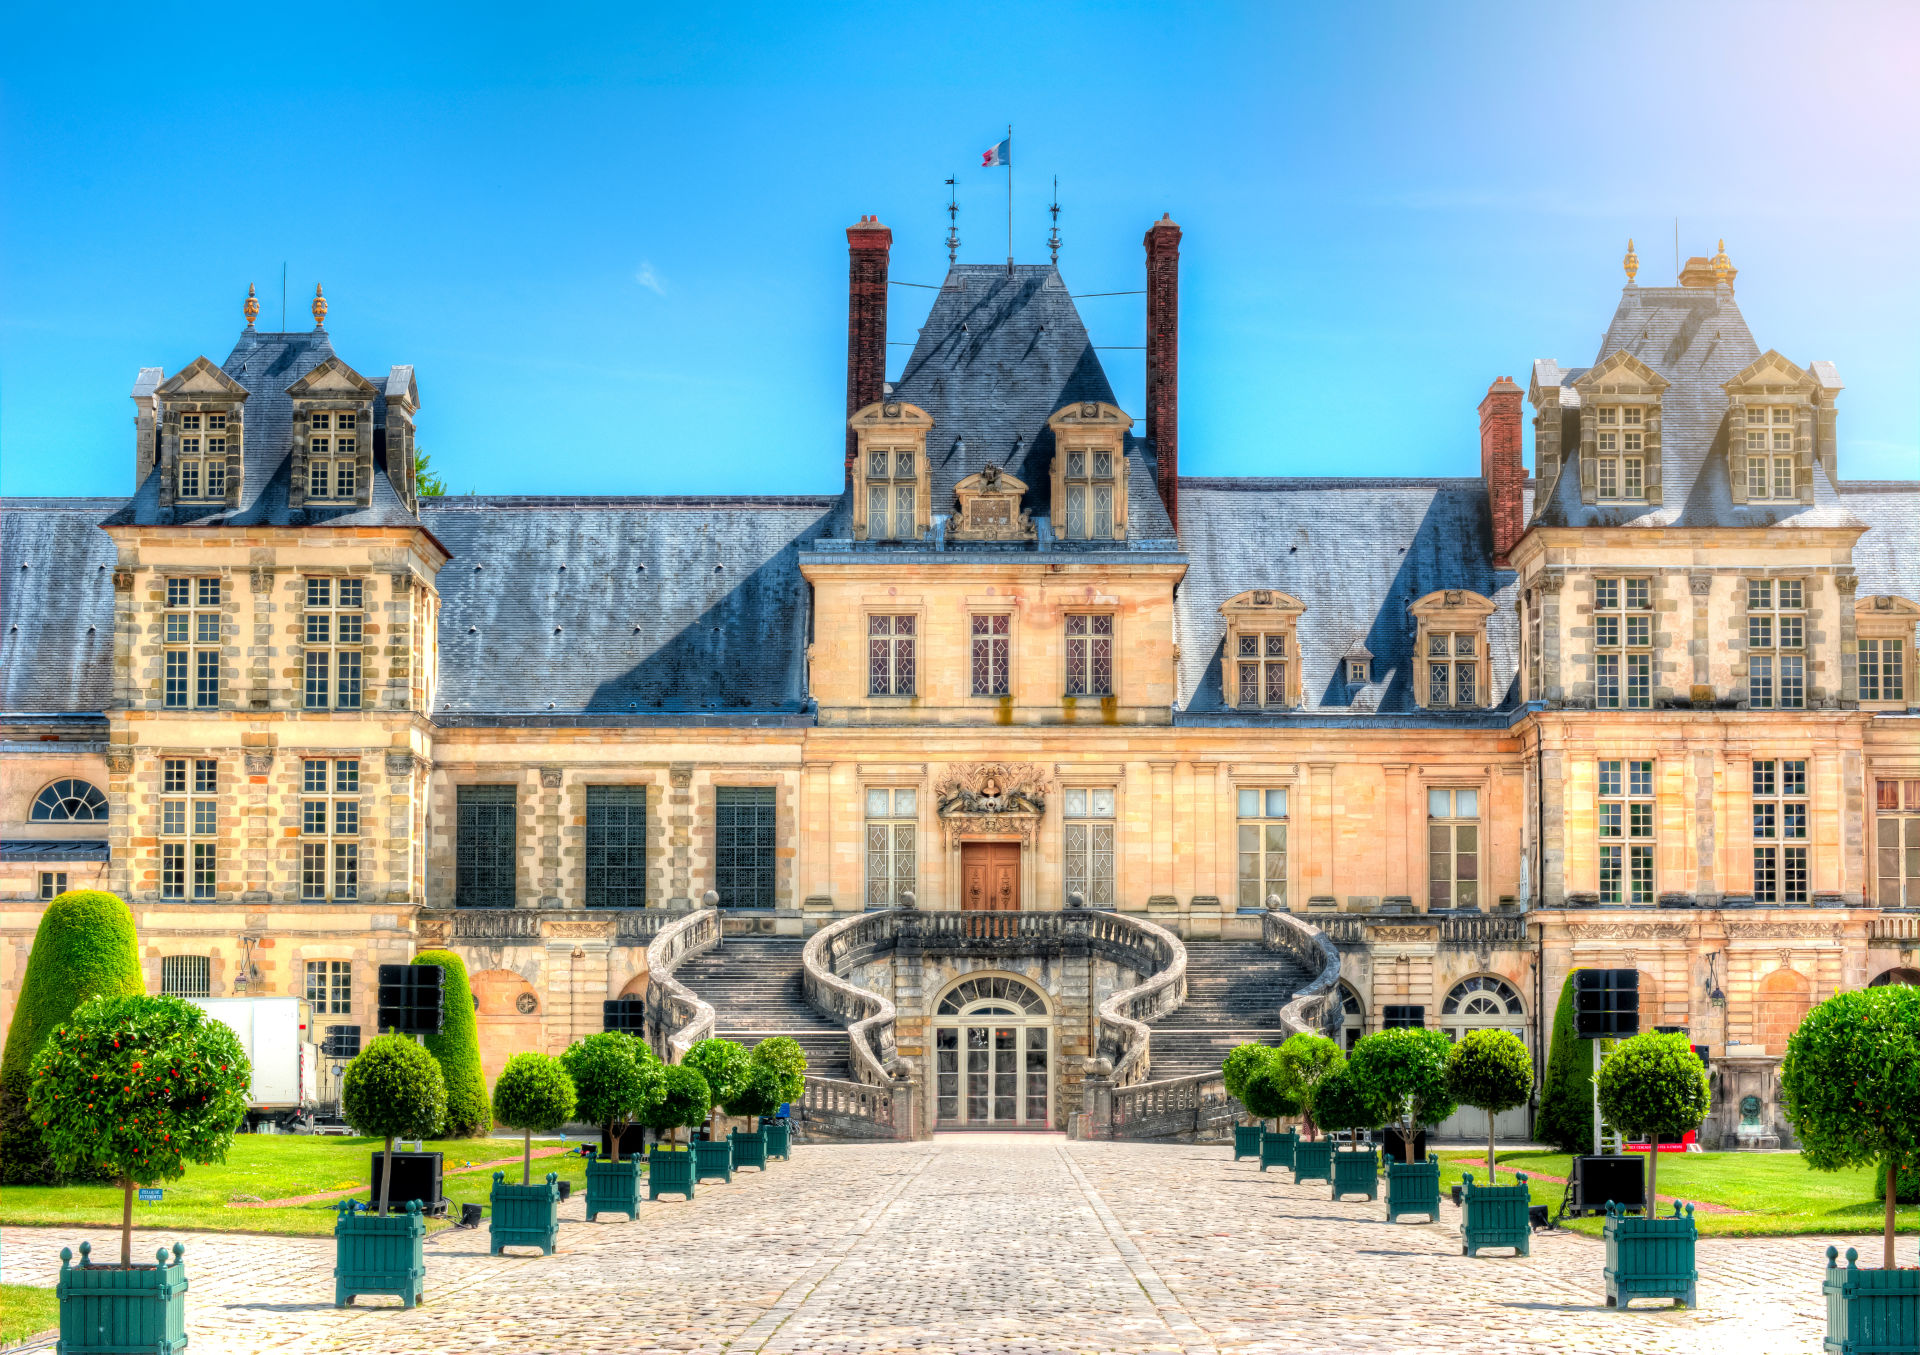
1885, 557
648, 610
996, 357
1357, 552
54, 849
56, 605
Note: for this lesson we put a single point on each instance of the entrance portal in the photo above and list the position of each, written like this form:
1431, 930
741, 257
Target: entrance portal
990, 876
992, 1040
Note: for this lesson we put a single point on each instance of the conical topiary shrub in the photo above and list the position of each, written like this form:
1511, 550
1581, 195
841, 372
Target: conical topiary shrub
1566, 1097
85, 947
457, 1049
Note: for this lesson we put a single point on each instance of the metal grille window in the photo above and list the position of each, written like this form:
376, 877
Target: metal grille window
1776, 644
1896, 842
1626, 831
1090, 654
1883, 670
1087, 837
330, 829
333, 454
892, 487
992, 654
335, 630
189, 824
1453, 668
484, 847
1089, 483
892, 831
330, 987
191, 675
1453, 848
186, 975
1262, 842
1621, 436
1623, 644
1770, 453
203, 457
616, 847
743, 846
53, 883
1780, 830
1261, 669
890, 655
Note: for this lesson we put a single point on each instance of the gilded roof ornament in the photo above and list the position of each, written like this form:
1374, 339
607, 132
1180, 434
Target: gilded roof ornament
252, 308
319, 308
1722, 266
1631, 263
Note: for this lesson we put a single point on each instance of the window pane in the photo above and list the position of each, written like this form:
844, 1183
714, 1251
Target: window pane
1439, 804
1249, 804
1276, 804
877, 804
1102, 804
1467, 804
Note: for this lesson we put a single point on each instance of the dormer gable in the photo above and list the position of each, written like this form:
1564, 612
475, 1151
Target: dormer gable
986, 507
396, 436
1775, 414
892, 489
1451, 659
331, 458
200, 424
1089, 471
1620, 404
1260, 657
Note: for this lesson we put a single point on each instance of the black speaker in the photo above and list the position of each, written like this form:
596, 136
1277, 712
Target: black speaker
409, 1000
416, 1176
1596, 1180
1395, 1144
1403, 1018
633, 1143
627, 1014
342, 1042
1606, 1003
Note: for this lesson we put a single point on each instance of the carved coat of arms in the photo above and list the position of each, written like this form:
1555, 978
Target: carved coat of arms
992, 788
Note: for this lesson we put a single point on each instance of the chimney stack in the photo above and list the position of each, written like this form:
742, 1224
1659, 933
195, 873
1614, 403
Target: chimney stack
1500, 467
1163, 359
868, 244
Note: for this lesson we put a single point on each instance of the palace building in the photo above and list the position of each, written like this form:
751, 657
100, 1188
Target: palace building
1016, 773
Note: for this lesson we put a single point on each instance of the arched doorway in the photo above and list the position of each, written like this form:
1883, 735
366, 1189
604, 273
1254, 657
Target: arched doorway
1484, 1002
1353, 1017
1785, 997
1910, 976
993, 1055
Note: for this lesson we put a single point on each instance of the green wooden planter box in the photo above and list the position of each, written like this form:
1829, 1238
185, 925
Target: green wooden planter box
1870, 1312
779, 1139
1246, 1140
526, 1216
1313, 1160
1356, 1172
712, 1159
375, 1255
1276, 1150
1413, 1188
1650, 1257
105, 1310
613, 1187
749, 1148
1495, 1216
669, 1172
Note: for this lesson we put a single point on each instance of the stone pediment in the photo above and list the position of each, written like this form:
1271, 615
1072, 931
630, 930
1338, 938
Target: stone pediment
1770, 370
332, 379
1622, 369
885, 416
202, 378
986, 507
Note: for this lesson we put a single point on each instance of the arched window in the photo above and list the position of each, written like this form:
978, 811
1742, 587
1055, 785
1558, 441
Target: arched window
992, 1044
70, 801
1483, 1001
1353, 1020
1008, 997
1911, 976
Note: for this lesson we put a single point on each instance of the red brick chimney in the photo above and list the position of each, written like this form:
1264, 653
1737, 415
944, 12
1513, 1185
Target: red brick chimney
1163, 358
868, 243
1500, 467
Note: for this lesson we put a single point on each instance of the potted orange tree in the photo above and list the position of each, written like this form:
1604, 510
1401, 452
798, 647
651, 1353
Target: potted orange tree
685, 1101
393, 1089
1240, 1064
784, 1055
615, 1077
1304, 1062
1653, 1085
534, 1092
1342, 1103
1404, 1073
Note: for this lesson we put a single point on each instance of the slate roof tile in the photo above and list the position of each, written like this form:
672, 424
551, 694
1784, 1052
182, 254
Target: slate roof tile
56, 605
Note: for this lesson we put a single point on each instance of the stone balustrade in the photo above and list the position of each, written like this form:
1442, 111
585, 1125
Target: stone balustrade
676, 1018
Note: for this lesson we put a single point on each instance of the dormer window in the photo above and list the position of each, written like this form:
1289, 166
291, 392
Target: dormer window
1089, 471
1450, 637
891, 492
203, 457
1260, 659
333, 455
1621, 442
1357, 672
893, 483
1089, 480
1769, 447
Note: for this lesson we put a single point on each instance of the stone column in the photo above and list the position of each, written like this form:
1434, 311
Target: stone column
547, 831
680, 835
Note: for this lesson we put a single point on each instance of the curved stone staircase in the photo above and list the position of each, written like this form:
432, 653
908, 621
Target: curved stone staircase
753, 985
1234, 993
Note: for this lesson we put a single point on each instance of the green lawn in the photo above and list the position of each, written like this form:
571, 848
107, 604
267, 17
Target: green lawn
1777, 1192
26, 1311
271, 1167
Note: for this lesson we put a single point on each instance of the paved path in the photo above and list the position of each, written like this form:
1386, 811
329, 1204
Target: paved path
985, 1245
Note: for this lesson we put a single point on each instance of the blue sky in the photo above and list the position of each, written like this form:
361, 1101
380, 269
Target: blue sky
611, 241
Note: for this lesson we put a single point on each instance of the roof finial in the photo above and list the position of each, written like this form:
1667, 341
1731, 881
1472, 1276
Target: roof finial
319, 308
953, 222
252, 308
1053, 241
1631, 263
1722, 266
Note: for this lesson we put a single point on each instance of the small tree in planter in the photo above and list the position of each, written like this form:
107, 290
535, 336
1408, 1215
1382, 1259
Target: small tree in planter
1344, 1103
1235, 1069
533, 1092
1268, 1096
755, 1096
1405, 1073
1654, 1085
1303, 1061
615, 1077
1490, 1071
393, 1089
684, 1103
722, 1063
785, 1056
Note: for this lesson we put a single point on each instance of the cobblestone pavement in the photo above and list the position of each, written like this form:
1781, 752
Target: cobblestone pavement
979, 1245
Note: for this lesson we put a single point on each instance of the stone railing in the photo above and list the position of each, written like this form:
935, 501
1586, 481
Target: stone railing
1196, 1106
677, 1019
1894, 929
1458, 930
1315, 1008
521, 926
1146, 948
829, 954
850, 1110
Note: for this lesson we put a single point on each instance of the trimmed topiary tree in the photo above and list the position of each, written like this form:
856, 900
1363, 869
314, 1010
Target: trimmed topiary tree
784, 1055
722, 1063
134, 1088
85, 947
1303, 1060
393, 1089
1566, 1097
457, 1049
756, 1093
615, 1077
1404, 1073
533, 1092
1268, 1094
1491, 1071
685, 1102
1850, 1084
1242, 1063
1654, 1085
1341, 1101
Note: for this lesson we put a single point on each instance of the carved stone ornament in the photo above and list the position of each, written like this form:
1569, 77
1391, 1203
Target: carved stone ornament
1798, 931
433, 931
1552, 583
986, 507
550, 777
992, 799
120, 760
262, 580
593, 927
1846, 581
1701, 584
123, 580
402, 582
1631, 931
400, 764
680, 773
526, 1004
258, 764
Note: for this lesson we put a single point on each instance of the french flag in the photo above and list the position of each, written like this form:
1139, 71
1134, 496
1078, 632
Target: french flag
1001, 154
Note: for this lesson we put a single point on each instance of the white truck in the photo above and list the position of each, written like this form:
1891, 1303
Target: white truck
280, 1043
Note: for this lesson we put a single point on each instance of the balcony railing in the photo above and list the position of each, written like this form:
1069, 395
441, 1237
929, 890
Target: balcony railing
677, 1020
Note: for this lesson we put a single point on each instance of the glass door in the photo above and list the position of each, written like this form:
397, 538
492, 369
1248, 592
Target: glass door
989, 1076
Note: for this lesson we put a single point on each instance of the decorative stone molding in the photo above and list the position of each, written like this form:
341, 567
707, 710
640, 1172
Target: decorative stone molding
435, 931
680, 774
1846, 581
1700, 584
120, 760
986, 507
123, 580
1631, 931
1805, 931
258, 763
261, 579
402, 583
592, 928
992, 799
400, 763
550, 777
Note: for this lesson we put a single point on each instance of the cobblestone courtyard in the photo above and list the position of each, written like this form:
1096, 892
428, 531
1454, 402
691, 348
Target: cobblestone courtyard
983, 1244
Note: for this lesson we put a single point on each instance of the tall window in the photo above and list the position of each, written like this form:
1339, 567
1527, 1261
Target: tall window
1626, 831
1776, 644
890, 655
1780, 830
189, 827
1262, 669
1623, 644
335, 627
743, 846
1089, 482
186, 975
892, 831
1453, 848
1896, 842
1262, 842
1534, 690
1453, 668
891, 490
484, 847
1089, 654
616, 847
1883, 670
333, 455
330, 987
1770, 453
192, 653
203, 456
992, 654
1622, 447
1087, 838
69, 801
330, 829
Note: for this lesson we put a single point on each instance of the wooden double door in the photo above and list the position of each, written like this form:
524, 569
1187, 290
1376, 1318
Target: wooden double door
990, 876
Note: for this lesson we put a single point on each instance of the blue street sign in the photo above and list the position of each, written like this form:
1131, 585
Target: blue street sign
149, 1195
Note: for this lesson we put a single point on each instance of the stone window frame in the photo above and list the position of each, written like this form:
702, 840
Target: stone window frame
1451, 786
1775, 656
333, 646
331, 972
1262, 787
897, 427
1090, 609
1883, 618
1895, 800
194, 784
195, 979
1090, 428
1452, 612
1620, 457
977, 612
1089, 784
56, 802
199, 431
648, 887
888, 896
53, 883
779, 868
184, 598
1618, 382
1264, 611
1614, 636
202, 388
1772, 798
326, 432
1767, 383
314, 393
1626, 797
491, 780
918, 613
338, 787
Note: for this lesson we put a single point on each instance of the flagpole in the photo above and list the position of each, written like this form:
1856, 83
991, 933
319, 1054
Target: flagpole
1009, 199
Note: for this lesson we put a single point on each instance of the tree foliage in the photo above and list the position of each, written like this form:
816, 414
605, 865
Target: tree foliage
457, 1048
1566, 1097
1490, 1070
1240, 1064
784, 1055
427, 483
722, 1063
1654, 1086
1267, 1093
533, 1093
1403, 1073
85, 947
615, 1077
756, 1092
1302, 1061
1342, 1100
394, 1089
686, 1100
